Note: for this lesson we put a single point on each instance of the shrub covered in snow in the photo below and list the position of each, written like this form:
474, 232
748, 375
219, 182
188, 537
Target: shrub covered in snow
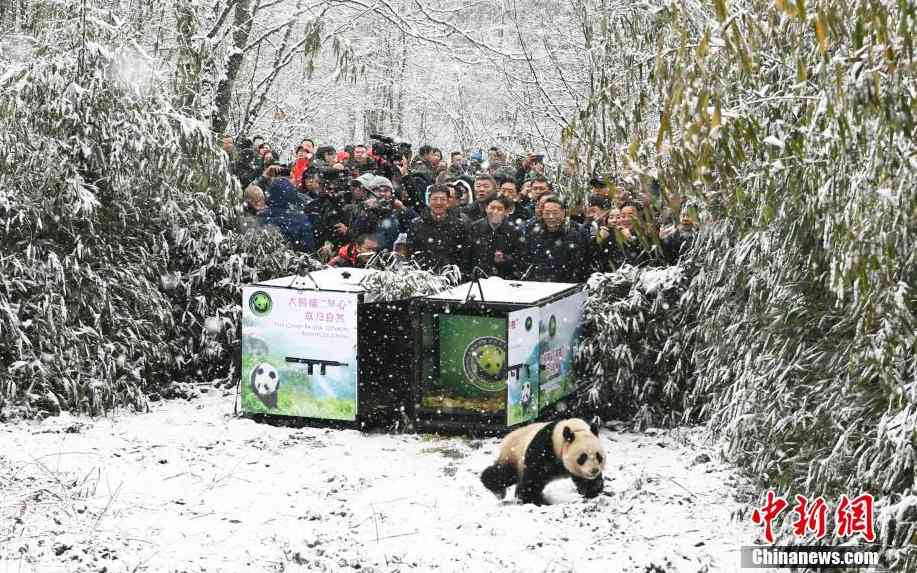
637, 350
120, 266
793, 124
396, 279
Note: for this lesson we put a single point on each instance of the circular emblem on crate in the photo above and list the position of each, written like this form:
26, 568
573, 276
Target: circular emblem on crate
552, 326
528, 323
485, 363
260, 302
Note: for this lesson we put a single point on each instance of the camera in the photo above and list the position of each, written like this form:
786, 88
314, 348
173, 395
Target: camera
277, 170
385, 148
335, 181
383, 206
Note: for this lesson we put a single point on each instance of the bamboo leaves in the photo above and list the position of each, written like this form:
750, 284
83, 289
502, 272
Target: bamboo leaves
821, 34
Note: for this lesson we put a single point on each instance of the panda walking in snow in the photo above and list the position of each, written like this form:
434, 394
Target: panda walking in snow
264, 382
533, 456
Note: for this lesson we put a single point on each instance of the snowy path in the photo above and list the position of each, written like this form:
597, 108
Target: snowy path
188, 487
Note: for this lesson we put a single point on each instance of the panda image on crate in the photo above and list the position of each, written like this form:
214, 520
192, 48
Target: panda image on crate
533, 456
264, 382
526, 398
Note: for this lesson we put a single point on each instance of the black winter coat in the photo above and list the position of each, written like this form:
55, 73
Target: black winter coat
561, 256
474, 211
435, 244
326, 212
484, 241
616, 251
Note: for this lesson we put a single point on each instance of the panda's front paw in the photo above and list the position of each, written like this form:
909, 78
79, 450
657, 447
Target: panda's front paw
533, 500
590, 488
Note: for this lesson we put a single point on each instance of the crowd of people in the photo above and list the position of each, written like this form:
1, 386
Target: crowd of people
486, 215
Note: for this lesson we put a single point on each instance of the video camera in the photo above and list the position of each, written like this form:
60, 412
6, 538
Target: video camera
385, 148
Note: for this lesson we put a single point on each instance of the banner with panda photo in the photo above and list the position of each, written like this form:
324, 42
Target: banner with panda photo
472, 366
299, 353
560, 331
522, 366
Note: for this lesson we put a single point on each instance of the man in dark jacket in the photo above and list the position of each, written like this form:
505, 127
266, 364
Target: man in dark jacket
360, 162
494, 244
328, 215
556, 249
518, 212
420, 175
680, 240
484, 186
436, 238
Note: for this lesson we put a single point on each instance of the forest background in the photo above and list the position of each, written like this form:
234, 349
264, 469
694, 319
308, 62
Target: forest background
789, 126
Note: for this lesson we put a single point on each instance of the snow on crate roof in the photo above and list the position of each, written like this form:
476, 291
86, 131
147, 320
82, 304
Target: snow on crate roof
340, 279
499, 290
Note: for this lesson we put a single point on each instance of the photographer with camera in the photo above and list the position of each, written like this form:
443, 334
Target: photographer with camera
326, 157
356, 253
528, 168
355, 204
421, 174
390, 160
383, 215
360, 162
327, 211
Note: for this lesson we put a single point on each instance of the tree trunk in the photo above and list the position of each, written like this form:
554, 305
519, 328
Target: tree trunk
242, 23
189, 65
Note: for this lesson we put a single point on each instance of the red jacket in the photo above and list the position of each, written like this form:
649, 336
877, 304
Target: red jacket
347, 257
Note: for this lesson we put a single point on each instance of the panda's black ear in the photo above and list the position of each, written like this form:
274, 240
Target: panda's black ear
568, 434
594, 428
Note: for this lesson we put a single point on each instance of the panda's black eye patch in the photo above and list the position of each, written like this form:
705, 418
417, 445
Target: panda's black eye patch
273, 375
260, 371
598, 458
582, 459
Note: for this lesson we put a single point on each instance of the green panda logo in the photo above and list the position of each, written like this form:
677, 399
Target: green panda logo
552, 326
260, 303
485, 363
528, 323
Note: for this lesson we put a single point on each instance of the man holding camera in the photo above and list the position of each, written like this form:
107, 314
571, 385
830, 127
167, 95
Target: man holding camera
361, 162
531, 166
382, 215
421, 174
327, 211
356, 253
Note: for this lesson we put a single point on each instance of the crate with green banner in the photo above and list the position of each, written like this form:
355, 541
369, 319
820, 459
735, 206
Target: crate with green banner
308, 350
494, 354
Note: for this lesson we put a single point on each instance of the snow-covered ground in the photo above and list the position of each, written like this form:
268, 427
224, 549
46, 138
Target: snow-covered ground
189, 487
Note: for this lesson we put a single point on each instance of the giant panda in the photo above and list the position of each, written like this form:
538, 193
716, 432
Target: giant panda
537, 454
264, 382
526, 397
